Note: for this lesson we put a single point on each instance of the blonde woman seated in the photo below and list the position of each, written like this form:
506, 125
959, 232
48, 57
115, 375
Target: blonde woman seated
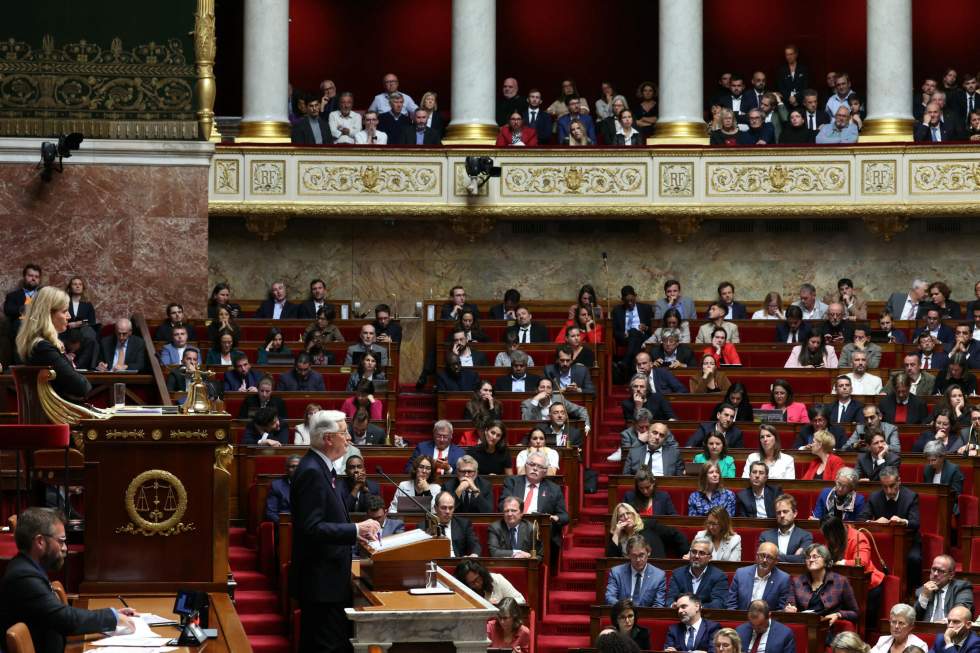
577, 134
711, 379
535, 443
781, 465
726, 544
419, 485
772, 308
626, 522
716, 451
813, 354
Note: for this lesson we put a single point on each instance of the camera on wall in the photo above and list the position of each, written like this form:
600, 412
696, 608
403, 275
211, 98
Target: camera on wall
52, 152
479, 169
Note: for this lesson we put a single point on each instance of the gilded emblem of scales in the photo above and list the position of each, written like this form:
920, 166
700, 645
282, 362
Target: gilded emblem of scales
155, 501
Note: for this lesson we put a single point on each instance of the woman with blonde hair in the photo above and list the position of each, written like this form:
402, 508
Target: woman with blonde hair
626, 522
302, 432
726, 544
435, 121
38, 344
577, 134
772, 308
727, 641
849, 642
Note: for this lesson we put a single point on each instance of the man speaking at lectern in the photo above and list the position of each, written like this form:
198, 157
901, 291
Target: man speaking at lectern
322, 538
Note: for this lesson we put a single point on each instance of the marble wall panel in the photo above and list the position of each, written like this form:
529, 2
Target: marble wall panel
372, 260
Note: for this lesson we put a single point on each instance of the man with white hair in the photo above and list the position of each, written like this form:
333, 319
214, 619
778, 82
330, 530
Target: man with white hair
322, 539
904, 306
538, 494
123, 350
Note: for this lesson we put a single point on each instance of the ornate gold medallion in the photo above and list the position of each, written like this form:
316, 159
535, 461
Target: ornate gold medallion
156, 501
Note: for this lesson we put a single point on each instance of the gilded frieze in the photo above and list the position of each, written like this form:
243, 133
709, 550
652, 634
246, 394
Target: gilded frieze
945, 176
369, 178
619, 180
802, 179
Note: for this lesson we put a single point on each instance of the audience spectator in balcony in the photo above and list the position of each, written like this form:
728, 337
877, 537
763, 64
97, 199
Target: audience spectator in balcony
329, 100
753, 98
774, 114
728, 132
842, 93
711, 379
561, 106
736, 101
608, 124
371, 134
123, 350
861, 342
396, 120
515, 134
922, 99
966, 99
948, 116
435, 121
344, 122
566, 122
577, 135
795, 132
382, 101
813, 354
626, 135
301, 378
175, 317
173, 351
604, 105
509, 103
776, 582
830, 89
536, 118
721, 90
220, 297
813, 117
314, 128
759, 132
841, 131
418, 133
779, 465
276, 306
858, 113
792, 77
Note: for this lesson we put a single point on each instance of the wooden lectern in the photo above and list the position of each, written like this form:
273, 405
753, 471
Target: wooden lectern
402, 566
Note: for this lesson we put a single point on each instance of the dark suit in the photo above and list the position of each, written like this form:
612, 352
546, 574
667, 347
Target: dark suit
905, 506
470, 502
746, 103
787, 83
408, 136
938, 361
68, 383
798, 539
467, 381
135, 352
26, 596
802, 334
958, 592
358, 503
916, 410
944, 335
302, 132
501, 544
683, 353
307, 310
665, 382
573, 436
662, 505
253, 436
393, 330
463, 537
638, 457
656, 403
291, 382
703, 641
644, 313
393, 125
765, 133
505, 383
923, 133
277, 500
551, 501
579, 374
745, 502
233, 380
319, 575
821, 119
164, 332
733, 436
13, 308
251, 404
713, 589
542, 126
537, 332
866, 467
374, 435
958, 102
446, 311
970, 645
266, 310
950, 476
779, 640
853, 414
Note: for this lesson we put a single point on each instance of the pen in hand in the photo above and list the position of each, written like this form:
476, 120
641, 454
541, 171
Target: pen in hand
122, 600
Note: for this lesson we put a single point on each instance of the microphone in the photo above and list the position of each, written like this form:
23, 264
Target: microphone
431, 516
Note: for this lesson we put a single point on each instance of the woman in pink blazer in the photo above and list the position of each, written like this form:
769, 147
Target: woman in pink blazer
781, 398
814, 354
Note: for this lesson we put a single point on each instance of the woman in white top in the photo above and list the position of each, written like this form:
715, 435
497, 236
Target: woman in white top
772, 308
491, 586
302, 433
419, 486
901, 621
535, 443
726, 544
781, 465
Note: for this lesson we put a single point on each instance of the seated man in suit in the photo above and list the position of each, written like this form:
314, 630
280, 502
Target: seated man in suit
934, 326
313, 128
876, 459
506, 310
761, 627
724, 425
736, 99
26, 595
457, 305
759, 499
538, 407
632, 323
672, 299
872, 423
469, 356
958, 635
900, 406
734, 310
528, 331
660, 379
440, 449
277, 500
905, 306
318, 299
276, 306
540, 495
939, 471
385, 330
512, 536
921, 384
637, 579
362, 432
472, 493
670, 353
933, 129
177, 381
658, 456
536, 117
242, 378
568, 376
794, 330
845, 410
712, 590
964, 343
456, 378
774, 581
418, 133
575, 113
123, 351
377, 511
175, 317
366, 343
931, 358
302, 378
558, 432
790, 539
518, 380
860, 342
173, 351
355, 487
942, 592
266, 430
692, 633
463, 542
898, 505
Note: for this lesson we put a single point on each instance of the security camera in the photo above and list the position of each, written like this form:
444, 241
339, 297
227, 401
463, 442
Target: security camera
479, 169
62, 150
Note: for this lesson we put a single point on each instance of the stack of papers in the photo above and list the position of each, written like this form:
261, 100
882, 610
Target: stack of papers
142, 639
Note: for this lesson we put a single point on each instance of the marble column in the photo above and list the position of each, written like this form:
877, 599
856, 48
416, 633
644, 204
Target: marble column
265, 81
681, 74
890, 84
474, 71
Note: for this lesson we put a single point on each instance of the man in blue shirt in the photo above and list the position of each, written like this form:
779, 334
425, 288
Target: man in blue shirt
840, 131
565, 122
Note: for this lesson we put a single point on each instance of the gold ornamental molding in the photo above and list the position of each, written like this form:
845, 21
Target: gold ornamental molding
179, 434
886, 226
223, 458
266, 226
621, 180
680, 228
328, 178
944, 176
879, 177
155, 501
119, 434
738, 179
205, 47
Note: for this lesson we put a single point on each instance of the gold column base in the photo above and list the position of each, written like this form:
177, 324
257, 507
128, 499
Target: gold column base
470, 134
679, 133
887, 130
263, 131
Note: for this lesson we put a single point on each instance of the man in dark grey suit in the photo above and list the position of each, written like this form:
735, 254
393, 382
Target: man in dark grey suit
512, 536
568, 376
942, 592
540, 495
905, 306
363, 432
789, 538
759, 499
123, 351
660, 458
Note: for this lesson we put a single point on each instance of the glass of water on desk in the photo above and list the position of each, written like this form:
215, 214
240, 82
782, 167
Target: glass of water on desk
119, 394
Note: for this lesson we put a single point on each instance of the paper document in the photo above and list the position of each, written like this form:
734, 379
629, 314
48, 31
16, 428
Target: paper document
137, 649
407, 537
151, 620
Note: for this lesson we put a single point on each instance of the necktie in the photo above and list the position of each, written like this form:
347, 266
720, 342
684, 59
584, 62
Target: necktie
925, 361
121, 357
813, 121
534, 115
755, 643
689, 644
528, 497
513, 537
969, 105
840, 414
524, 335
938, 614
637, 585
650, 460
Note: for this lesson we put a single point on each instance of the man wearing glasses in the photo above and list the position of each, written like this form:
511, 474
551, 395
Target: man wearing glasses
763, 580
370, 134
699, 578
538, 494
942, 592
472, 492
26, 594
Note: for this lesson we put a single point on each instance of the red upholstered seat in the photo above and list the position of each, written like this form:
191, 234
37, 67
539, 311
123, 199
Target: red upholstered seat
969, 509
34, 436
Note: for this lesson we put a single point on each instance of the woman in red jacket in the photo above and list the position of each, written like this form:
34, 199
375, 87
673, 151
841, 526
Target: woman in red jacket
721, 350
851, 547
825, 464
